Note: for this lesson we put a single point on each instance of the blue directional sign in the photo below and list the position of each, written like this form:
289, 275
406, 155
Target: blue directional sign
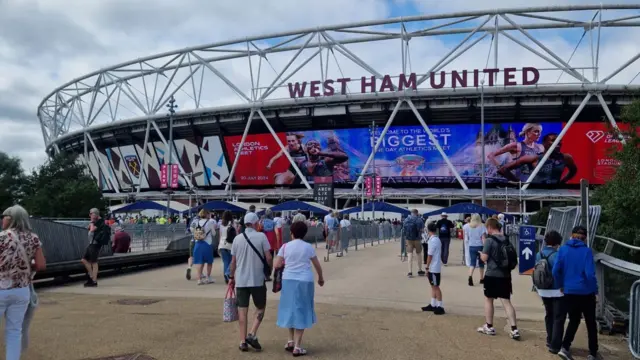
527, 250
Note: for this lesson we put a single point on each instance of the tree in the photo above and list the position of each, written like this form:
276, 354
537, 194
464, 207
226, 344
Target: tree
61, 188
12, 180
621, 195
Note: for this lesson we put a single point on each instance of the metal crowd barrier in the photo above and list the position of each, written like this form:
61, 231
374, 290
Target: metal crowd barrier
634, 323
358, 235
151, 236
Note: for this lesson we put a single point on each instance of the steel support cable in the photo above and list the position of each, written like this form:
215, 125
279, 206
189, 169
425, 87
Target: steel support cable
577, 46
486, 65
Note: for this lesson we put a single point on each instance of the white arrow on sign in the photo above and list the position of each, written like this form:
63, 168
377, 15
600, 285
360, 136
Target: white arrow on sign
527, 253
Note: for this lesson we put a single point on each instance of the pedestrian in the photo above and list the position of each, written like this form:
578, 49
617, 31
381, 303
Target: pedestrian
251, 264
21, 255
574, 273
203, 234
227, 234
413, 227
296, 308
498, 254
548, 289
474, 234
121, 242
99, 236
434, 267
445, 226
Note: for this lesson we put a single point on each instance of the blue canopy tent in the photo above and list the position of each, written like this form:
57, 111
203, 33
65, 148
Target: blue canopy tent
466, 208
144, 205
377, 206
218, 205
295, 205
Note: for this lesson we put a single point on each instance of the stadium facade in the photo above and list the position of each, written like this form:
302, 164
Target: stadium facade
321, 101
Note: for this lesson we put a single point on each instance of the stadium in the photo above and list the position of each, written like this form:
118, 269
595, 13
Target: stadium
414, 91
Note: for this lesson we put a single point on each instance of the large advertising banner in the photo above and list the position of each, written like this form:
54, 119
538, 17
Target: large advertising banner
323, 153
407, 154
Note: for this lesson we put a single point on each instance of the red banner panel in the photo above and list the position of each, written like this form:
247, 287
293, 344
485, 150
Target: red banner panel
259, 162
591, 145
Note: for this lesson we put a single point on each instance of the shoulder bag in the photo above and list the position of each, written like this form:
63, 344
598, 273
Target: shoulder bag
267, 268
277, 274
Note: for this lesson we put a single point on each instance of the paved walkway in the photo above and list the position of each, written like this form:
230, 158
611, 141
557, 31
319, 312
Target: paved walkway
373, 276
367, 309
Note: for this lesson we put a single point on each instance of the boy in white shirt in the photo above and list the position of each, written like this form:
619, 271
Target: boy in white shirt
434, 266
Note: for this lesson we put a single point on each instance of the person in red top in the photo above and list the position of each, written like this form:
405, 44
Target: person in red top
121, 242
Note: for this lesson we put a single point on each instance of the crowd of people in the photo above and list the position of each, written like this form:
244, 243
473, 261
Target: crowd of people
252, 249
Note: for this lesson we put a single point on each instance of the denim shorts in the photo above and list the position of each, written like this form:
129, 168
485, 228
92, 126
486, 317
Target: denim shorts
474, 257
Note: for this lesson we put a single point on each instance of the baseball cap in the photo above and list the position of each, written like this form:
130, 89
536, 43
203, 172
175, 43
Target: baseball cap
443, 214
251, 218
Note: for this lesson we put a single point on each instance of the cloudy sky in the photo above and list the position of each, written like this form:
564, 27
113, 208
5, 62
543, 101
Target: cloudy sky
45, 43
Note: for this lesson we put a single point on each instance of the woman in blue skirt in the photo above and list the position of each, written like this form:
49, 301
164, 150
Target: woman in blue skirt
296, 311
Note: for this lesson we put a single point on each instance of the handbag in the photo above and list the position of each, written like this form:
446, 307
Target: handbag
230, 306
266, 268
277, 274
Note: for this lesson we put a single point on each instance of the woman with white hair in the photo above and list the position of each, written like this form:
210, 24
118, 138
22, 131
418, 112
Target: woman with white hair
528, 146
474, 234
20, 255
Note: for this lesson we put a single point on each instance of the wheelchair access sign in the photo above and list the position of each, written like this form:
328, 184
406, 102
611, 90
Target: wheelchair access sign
527, 250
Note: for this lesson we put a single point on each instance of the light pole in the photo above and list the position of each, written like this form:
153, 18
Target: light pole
483, 160
520, 184
172, 110
373, 166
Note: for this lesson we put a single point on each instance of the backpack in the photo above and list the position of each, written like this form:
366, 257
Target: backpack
542, 273
198, 232
413, 233
231, 233
507, 255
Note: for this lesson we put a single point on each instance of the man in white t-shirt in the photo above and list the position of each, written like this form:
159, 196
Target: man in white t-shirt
250, 258
434, 267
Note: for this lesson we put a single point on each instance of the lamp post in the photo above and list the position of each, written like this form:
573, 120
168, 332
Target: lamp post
520, 184
172, 110
483, 160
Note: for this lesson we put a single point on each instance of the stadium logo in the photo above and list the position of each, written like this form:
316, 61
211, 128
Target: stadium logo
133, 164
595, 135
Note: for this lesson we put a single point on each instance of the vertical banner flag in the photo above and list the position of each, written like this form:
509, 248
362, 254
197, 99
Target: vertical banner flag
527, 250
368, 185
163, 176
378, 186
175, 176
323, 190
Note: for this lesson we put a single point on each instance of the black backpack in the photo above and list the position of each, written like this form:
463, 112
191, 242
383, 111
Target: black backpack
231, 233
507, 255
542, 273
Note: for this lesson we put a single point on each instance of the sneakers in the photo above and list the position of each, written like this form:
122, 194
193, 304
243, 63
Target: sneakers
91, 283
515, 334
188, 273
210, 280
481, 281
470, 281
421, 273
484, 329
243, 347
439, 311
565, 354
410, 275
596, 357
428, 308
252, 340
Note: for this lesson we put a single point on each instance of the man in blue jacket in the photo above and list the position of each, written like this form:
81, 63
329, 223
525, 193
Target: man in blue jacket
574, 272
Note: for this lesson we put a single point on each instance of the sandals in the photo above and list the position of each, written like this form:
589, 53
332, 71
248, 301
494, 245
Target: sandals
296, 351
299, 352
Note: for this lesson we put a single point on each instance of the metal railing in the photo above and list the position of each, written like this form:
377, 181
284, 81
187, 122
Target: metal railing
634, 324
357, 236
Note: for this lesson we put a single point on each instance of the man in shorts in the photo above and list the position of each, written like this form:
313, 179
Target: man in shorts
413, 227
497, 281
434, 266
250, 260
99, 235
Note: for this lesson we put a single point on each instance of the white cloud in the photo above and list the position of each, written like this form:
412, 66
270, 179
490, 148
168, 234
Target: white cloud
46, 43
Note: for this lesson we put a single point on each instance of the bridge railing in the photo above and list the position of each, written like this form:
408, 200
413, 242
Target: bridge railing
634, 324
